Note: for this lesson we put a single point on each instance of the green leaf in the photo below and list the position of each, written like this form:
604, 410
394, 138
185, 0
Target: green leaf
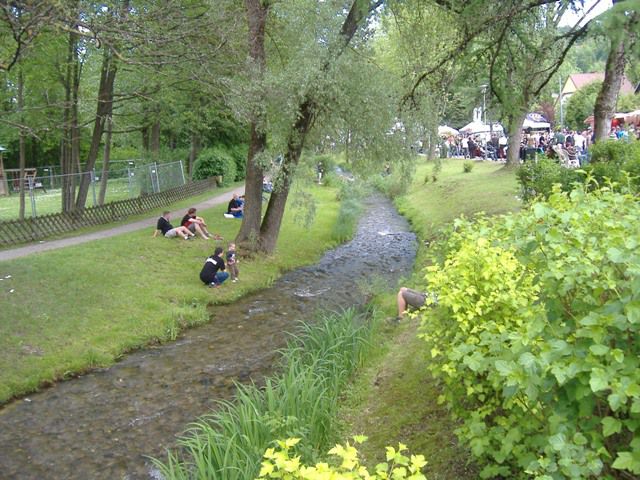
557, 441
528, 361
599, 380
610, 426
616, 255
627, 461
632, 310
504, 368
598, 349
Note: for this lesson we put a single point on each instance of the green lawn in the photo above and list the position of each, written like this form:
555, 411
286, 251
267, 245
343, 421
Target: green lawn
67, 310
51, 201
394, 399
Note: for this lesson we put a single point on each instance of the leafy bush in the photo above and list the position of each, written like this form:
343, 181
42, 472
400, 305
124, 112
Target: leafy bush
467, 166
215, 161
613, 163
391, 186
239, 154
537, 178
279, 464
615, 151
534, 337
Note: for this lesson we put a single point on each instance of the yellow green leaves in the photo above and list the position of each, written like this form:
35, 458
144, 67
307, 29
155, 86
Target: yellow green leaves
280, 464
534, 337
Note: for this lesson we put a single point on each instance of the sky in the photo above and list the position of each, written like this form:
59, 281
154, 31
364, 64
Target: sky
570, 18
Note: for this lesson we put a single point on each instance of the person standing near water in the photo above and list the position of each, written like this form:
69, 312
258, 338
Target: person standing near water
212, 272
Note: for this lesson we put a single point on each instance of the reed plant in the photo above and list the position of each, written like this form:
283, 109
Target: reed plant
350, 196
301, 401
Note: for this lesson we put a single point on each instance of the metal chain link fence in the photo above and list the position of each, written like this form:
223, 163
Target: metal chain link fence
43, 187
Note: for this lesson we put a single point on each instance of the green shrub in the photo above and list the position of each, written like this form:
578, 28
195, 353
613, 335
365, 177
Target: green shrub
534, 337
468, 165
615, 151
239, 154
213, 162
537, 178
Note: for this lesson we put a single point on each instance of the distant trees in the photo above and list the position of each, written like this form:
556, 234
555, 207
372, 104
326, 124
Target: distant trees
69, 53
580, 105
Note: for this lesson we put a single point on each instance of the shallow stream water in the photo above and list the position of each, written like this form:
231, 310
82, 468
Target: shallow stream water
105, 424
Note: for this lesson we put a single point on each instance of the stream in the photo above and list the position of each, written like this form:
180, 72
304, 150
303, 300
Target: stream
105, 424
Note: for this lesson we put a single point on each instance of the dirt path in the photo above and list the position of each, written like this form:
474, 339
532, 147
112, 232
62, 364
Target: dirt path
109, 232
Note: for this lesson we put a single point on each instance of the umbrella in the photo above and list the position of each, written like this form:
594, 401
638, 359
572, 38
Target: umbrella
445, 131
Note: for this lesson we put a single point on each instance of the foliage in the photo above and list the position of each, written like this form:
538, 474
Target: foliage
580, 105
616, 152
350, 208
468, 165
301, 401
628, 102
538, 178
534, 336
613, 163
213, 162
239, 154
280, 464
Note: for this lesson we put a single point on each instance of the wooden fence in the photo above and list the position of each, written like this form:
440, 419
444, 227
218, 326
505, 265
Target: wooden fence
15, 232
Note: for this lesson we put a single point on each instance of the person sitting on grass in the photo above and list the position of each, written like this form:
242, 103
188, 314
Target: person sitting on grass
235, 207
195, 224
212, 272
168, 230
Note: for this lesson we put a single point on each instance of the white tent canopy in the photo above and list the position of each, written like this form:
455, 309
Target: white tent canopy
535, 125
479, 127
447, 130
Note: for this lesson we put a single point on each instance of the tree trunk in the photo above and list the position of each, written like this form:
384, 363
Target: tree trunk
270, 228
250, 228
104, 108
608, 96
193, 153
21, 145
66, 157
155, 139
515, 138
145, 138
104, 178
75, 129
614, 74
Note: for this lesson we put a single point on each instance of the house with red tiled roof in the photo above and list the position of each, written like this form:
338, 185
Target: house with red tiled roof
579, 80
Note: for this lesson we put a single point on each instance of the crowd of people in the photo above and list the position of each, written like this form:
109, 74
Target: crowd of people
570, 146
214, 271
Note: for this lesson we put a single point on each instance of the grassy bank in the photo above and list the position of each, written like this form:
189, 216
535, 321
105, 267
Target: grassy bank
80, 307
395, 399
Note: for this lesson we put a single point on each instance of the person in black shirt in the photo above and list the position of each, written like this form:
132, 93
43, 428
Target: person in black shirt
168, 230
212, 272
235, 207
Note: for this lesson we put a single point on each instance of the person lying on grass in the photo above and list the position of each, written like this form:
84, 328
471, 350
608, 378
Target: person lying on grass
195, 224
168, 230
212, 272
412, 298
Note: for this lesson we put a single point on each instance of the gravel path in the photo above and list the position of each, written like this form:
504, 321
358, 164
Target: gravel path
109, 232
